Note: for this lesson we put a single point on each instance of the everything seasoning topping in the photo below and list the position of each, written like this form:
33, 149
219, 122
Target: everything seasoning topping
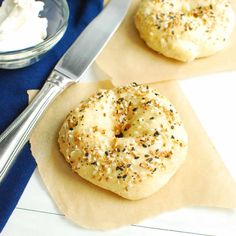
156, 134
169, 20
124, 176
149, 160
132, 148
119, 168
184, 19
120, 135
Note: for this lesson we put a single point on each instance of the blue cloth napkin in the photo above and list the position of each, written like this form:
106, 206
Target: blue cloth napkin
13, 99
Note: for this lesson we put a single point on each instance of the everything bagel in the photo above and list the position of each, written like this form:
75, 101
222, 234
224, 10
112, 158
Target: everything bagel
185, 29
129, 140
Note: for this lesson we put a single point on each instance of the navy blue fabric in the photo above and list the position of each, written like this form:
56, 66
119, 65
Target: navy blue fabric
13, 99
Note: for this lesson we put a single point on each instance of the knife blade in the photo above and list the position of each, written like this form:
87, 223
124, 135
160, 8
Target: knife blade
92, 40
68, 70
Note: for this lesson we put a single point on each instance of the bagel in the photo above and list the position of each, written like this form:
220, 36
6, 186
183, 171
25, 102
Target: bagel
185, 29
129, 140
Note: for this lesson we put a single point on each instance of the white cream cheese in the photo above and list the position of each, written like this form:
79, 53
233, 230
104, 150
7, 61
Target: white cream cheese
20, 24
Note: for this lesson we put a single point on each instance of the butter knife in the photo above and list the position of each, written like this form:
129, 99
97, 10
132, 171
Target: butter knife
68, 70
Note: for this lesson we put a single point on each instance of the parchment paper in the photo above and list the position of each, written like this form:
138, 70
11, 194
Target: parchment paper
203, 180
127, 52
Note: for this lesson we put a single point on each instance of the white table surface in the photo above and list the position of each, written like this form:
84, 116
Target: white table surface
36, 213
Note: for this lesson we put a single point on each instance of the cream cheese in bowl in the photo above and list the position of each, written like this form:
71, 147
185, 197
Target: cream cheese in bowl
29, 29
20, 24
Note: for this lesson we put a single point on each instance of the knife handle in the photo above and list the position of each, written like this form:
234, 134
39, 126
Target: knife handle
17, 134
